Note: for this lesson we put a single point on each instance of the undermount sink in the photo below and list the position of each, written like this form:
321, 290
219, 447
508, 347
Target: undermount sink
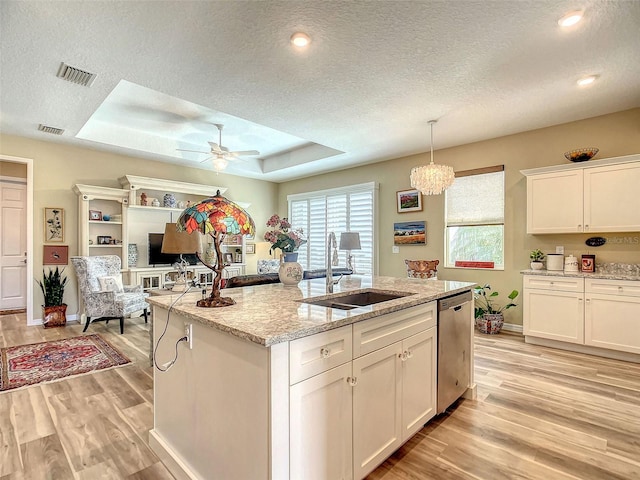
349, 301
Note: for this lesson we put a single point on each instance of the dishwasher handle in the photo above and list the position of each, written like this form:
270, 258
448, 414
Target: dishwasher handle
454, 301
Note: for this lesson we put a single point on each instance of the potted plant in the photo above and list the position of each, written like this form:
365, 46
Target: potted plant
54, 310
536, 257
489, 314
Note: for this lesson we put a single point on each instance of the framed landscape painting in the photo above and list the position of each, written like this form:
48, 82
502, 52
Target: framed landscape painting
410, 233
409, 201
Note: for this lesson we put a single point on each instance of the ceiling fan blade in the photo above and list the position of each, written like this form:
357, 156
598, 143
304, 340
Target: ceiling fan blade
245, 152
206, 159
194, 151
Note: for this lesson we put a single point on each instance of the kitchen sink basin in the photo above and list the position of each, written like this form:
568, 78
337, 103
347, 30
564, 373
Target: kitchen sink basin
348, 301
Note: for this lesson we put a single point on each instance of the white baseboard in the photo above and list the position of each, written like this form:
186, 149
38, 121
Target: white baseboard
574, 347
512, 327
38, 321
169, 458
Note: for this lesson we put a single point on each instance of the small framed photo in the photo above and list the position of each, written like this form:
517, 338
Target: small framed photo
104, 240
251, 248
588, 263
227, 258
95, 215
55, 255
53, 224
238, 258
409, 201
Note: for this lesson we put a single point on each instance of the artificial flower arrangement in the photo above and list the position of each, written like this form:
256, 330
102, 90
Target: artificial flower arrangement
282, 236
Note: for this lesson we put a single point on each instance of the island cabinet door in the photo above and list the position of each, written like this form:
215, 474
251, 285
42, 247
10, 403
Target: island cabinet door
419, 357
377, 404
321, 426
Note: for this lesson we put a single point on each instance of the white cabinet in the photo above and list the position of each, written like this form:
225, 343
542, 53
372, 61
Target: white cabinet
612, 314
600, 196
612, 199
378, 400
554, 202
96, 234
553, 308
152, 278
321, 426
595, 312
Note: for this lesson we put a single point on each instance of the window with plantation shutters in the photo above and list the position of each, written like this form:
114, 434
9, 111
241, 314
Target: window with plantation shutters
474, 219
348, 209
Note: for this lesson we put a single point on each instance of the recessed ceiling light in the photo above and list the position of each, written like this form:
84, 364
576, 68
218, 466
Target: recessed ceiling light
571, 18
584, 81
300, 39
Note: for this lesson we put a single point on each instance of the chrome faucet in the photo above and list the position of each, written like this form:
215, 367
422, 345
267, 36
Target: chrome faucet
331, 243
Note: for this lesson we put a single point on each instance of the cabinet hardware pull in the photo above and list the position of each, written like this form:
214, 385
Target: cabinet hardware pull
586, 227
325, 352
353, 381
620, 289
403, 356
579, 226
409, 354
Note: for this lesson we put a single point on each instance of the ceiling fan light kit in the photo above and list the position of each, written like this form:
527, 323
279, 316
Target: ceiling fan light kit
221, 155
432, 179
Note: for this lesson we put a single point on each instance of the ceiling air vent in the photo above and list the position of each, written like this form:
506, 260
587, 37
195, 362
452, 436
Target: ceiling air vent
75, 75
52, 130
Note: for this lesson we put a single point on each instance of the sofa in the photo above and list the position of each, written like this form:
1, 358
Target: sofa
266, 278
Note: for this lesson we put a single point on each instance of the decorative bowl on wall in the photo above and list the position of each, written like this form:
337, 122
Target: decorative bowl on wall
581, 154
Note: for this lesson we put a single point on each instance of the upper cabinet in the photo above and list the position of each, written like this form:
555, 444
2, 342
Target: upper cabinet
598, 196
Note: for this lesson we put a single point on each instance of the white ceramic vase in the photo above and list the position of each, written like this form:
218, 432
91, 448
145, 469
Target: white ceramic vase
536, 265
290, 271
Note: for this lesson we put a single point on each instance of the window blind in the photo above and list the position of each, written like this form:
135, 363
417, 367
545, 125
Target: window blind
476, 200
349, 209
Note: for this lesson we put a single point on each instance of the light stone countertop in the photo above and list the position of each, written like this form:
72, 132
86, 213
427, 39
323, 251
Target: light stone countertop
596, 274
270, 314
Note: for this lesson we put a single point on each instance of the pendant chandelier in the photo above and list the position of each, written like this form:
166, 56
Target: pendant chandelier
432, 179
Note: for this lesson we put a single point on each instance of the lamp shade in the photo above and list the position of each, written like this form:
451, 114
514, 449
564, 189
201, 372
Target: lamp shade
174, 241
350, 241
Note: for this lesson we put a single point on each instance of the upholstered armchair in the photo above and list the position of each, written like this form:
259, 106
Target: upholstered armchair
103, 295
422, 268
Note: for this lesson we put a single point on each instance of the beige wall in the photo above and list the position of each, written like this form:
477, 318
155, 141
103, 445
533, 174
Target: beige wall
11, 169
615, 135
58, 167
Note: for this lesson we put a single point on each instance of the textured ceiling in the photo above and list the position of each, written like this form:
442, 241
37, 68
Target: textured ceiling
373, 76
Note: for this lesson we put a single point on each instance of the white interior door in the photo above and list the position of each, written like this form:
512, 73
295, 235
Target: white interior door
13, 245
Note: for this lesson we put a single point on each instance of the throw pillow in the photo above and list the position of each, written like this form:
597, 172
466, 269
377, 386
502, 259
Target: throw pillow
111, 283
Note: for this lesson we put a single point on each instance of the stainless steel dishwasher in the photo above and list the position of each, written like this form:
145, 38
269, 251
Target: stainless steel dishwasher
454, 341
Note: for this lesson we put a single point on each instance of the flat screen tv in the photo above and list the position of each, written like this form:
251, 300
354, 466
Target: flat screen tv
156, 257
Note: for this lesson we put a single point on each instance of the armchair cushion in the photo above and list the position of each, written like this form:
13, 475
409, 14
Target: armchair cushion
111, 283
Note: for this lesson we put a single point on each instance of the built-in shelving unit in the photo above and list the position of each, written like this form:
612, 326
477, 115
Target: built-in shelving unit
102, 202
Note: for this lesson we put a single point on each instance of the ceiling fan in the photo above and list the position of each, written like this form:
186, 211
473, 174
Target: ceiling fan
220, 154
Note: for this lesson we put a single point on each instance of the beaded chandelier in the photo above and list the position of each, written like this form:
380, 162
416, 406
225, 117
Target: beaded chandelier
432, 179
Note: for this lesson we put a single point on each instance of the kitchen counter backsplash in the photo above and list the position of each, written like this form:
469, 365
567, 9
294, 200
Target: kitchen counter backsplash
614, 271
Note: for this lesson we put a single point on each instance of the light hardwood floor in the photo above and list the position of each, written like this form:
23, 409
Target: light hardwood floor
540, 414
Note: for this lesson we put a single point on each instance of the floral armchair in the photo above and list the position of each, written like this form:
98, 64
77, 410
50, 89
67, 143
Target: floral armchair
103, 295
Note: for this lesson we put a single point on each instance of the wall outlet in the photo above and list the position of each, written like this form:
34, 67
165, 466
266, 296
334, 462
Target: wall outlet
395, 249
560, 250
188, 332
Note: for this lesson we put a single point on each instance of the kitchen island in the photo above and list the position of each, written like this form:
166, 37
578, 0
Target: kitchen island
276, 388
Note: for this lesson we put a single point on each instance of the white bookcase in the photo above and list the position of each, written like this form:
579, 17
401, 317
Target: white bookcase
97, 236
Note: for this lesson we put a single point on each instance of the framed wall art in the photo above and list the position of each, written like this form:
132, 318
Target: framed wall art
251, 248
53, 224
410, 233
55, 255
227, 258
409, 201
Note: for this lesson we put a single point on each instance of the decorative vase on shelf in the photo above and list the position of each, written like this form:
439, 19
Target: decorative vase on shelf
290, 272
132, 257
169, 200
536, 265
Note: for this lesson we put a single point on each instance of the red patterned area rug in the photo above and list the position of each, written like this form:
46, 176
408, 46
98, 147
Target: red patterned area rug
46, 361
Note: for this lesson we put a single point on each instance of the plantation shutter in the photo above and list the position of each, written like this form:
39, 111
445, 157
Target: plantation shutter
349, 209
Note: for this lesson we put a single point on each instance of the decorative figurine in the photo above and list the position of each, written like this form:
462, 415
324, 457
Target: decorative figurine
143, 199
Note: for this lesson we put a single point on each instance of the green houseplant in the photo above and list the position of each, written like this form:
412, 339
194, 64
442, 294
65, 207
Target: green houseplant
536, 257
54, 310
489, 314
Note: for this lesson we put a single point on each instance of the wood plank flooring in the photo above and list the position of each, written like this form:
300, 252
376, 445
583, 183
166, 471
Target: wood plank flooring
540, 414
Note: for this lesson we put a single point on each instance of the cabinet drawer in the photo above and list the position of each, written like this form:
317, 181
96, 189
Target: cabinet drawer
559, 284
317, 353
376, 333
628, 288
